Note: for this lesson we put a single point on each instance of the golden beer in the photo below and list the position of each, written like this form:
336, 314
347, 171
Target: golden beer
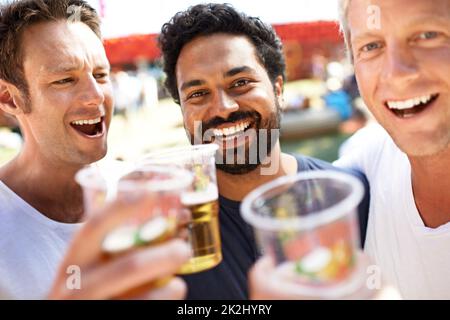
204, 232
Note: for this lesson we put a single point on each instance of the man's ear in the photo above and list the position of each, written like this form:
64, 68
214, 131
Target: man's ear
11, 100
279, 83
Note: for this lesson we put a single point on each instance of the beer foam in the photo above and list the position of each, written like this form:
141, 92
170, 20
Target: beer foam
192, 198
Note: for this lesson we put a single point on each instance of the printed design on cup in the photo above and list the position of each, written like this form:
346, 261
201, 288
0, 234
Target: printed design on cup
324, 256
307, 223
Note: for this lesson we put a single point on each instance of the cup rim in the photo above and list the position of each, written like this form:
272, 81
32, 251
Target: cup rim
320, 217
179, 154
99, 179
179, 178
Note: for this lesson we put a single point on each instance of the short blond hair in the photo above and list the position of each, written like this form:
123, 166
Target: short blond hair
343, 20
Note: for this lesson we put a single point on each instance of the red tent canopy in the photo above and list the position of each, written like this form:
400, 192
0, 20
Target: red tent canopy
310, 32
132, 48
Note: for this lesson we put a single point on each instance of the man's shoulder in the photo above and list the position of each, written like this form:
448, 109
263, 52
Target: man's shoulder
10, 202
368, 150
20, 219
307, 163
12, 216
368, 140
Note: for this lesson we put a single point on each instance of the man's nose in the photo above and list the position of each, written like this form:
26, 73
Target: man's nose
92, 93
401, 67
223, 104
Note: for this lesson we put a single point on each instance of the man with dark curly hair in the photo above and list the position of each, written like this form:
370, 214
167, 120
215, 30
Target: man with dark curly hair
226, 71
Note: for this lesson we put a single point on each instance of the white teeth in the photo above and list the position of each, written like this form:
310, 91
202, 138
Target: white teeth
83, 122
408, 104
231, 130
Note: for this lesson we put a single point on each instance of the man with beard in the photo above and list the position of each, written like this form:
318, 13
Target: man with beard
226, 70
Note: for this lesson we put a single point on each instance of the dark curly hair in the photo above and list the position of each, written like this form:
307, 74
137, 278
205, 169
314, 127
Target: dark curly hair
206, 19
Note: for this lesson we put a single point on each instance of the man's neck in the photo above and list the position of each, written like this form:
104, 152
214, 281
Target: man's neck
236, 187
431, 185
48, 187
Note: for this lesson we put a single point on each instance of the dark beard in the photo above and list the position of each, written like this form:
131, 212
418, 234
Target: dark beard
243, 163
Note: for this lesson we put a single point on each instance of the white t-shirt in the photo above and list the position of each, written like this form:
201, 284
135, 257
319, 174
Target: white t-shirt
31, 247
411, 256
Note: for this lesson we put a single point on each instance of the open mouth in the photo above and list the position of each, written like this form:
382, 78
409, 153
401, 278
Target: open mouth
90, 128
233, 134
411, 107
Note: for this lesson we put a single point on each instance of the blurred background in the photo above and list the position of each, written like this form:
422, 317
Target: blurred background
322, 104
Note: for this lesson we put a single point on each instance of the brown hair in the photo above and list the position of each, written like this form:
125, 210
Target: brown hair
17, 16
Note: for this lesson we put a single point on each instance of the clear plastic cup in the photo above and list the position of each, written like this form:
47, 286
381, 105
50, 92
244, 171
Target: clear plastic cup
201, 200
308, 224
120, 180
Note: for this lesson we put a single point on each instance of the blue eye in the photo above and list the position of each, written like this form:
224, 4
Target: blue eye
428, 35
100, 75
371, 46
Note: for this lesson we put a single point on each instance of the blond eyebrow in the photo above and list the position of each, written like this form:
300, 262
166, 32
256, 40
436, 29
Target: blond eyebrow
429, 19
362, 36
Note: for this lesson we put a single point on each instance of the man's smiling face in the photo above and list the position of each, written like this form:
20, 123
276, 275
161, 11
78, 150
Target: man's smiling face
403, 70
227, 98
70, 92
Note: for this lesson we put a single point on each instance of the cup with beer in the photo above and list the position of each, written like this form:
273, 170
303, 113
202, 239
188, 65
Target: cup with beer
121, 180
201, 200
308, 224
